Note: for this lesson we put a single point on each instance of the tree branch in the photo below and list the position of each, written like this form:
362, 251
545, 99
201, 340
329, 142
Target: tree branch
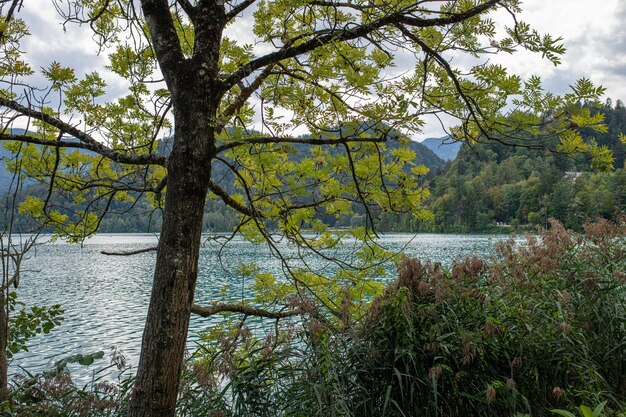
164, 38
344, 4
242, 309
450, 19
274, 139
322, 38
243, 96
187, 7
238, 9
470, 104
129, 253
356, 181
149, 159
231, 202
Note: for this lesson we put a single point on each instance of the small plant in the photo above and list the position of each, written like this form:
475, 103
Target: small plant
53, 393
584, 411
24, 324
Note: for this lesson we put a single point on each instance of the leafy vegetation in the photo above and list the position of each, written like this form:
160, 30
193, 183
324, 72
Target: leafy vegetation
489, 187
584, 411
329, 65
26, 323
537, 327
138, 214
495, 188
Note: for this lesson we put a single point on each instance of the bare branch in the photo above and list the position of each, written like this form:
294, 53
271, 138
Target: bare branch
129, 253
158, 190
450, 18
343, 4
239, 8
242, 309
357, 185
13, 281
188, 8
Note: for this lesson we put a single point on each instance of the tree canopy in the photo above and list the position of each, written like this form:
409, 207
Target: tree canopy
230, 81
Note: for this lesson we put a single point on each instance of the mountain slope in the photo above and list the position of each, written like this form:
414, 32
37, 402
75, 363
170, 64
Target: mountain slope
217, 216
444, 147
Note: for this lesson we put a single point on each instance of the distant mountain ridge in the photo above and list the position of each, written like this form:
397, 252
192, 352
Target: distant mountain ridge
444, 147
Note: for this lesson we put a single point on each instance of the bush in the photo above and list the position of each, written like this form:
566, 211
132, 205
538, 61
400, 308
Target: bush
53, 393
541, 325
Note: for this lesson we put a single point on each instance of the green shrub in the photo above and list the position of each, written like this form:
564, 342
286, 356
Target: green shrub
541, 325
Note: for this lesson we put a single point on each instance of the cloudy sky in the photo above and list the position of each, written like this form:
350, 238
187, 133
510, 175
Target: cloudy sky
593, 32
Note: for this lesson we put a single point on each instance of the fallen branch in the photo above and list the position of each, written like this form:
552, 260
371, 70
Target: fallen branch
242, 309
129, 253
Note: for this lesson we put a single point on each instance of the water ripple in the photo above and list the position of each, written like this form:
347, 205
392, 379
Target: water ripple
106, 298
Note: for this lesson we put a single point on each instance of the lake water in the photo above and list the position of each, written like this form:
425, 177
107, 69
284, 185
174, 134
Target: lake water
105, 298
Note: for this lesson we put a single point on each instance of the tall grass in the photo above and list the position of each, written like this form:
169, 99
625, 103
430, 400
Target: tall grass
541, 325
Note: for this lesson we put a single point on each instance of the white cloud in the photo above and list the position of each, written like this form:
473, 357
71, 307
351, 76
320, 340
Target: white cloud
593, 34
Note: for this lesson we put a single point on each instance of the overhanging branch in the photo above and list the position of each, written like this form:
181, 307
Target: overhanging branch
86, 140
129, 253
243, 96
128, 159
230, 201
322, 38
239, 8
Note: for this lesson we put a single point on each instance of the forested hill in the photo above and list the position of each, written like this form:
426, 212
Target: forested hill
139, 216
493, 187
218, 217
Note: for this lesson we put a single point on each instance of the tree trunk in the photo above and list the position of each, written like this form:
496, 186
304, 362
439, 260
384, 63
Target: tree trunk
4, 336
167, 323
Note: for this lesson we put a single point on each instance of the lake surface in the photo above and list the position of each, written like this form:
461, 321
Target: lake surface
105, 298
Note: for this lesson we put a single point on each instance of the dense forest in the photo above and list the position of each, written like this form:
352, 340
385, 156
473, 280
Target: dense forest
490, 187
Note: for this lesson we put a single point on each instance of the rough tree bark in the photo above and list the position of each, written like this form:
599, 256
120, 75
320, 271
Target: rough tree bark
4, 366
195, 97
176, 270
173, 289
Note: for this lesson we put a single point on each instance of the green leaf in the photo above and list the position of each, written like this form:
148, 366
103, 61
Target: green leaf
563, 413
599, 408
86, 360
